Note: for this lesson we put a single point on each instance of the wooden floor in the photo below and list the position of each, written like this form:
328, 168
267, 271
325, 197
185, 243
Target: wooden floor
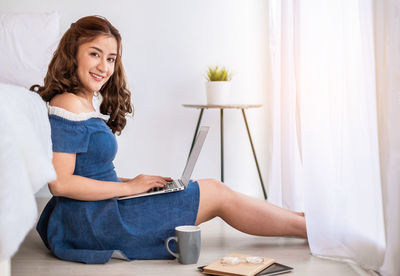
218, 240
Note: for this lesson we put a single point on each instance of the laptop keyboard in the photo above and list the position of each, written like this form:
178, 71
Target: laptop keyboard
169, 186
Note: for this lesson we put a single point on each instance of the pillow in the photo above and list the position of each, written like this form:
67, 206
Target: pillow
27, 43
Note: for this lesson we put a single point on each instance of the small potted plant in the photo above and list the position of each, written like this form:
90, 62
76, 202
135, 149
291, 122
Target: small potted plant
218, 86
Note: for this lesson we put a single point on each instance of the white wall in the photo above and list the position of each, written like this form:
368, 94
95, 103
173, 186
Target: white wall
167, 46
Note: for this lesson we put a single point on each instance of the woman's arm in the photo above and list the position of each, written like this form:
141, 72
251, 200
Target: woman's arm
83, 188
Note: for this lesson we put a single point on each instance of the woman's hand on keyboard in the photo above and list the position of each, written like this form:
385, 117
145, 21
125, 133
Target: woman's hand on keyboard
143, 183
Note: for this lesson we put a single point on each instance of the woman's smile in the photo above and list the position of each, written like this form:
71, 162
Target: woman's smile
97, 77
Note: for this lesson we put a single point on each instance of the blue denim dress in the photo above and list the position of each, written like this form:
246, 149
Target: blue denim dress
94, 231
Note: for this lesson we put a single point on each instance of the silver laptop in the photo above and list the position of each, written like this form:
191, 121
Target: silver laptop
180, 184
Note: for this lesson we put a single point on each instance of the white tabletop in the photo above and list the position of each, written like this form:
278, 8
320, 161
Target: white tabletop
239, 106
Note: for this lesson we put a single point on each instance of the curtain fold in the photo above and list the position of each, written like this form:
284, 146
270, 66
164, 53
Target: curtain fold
285, 160
387, 49
334, 102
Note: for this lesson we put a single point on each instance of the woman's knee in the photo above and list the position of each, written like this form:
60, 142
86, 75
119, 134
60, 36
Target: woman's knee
214, 193
213, 186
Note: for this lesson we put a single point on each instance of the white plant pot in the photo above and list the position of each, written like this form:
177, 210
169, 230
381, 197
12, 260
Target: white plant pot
218, 92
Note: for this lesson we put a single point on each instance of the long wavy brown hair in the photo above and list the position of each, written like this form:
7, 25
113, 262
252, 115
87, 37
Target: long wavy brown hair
62, 72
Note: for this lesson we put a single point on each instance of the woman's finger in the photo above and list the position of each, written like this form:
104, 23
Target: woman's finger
166, 178
159, 182
158, 185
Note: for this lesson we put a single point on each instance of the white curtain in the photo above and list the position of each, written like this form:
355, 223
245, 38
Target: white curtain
335, 98
387, 49
283, 100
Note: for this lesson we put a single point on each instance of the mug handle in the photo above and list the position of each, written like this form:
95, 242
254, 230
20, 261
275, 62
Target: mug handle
167, 247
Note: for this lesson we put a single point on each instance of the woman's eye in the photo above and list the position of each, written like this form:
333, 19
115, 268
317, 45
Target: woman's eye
111, 59
94, 54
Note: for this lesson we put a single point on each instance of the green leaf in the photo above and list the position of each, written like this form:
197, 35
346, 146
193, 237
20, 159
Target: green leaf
216, 74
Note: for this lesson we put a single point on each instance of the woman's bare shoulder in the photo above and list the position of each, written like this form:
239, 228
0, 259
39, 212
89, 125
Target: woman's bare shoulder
69, 102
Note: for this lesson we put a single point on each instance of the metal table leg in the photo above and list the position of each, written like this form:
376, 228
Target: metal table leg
254, 154
222, 143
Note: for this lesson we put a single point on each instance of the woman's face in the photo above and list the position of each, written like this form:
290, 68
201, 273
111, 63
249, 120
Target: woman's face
96, 61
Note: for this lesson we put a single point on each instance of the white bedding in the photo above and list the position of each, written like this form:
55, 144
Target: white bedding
27, 43
25, 163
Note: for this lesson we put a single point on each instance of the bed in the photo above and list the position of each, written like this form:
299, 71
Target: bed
27, 41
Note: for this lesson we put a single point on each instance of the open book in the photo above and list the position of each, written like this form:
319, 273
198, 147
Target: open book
238, 268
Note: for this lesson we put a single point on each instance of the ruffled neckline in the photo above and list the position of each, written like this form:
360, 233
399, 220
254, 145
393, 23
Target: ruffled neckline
61, 112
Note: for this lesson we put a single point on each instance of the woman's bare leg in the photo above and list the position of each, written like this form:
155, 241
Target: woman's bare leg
249, 215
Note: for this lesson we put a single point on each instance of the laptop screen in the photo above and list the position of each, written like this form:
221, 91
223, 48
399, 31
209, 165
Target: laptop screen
194, 154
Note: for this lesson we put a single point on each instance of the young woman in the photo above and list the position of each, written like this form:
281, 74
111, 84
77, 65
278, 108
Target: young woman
84, 221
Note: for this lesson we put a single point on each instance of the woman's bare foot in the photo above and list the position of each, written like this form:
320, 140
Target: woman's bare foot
298, 213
